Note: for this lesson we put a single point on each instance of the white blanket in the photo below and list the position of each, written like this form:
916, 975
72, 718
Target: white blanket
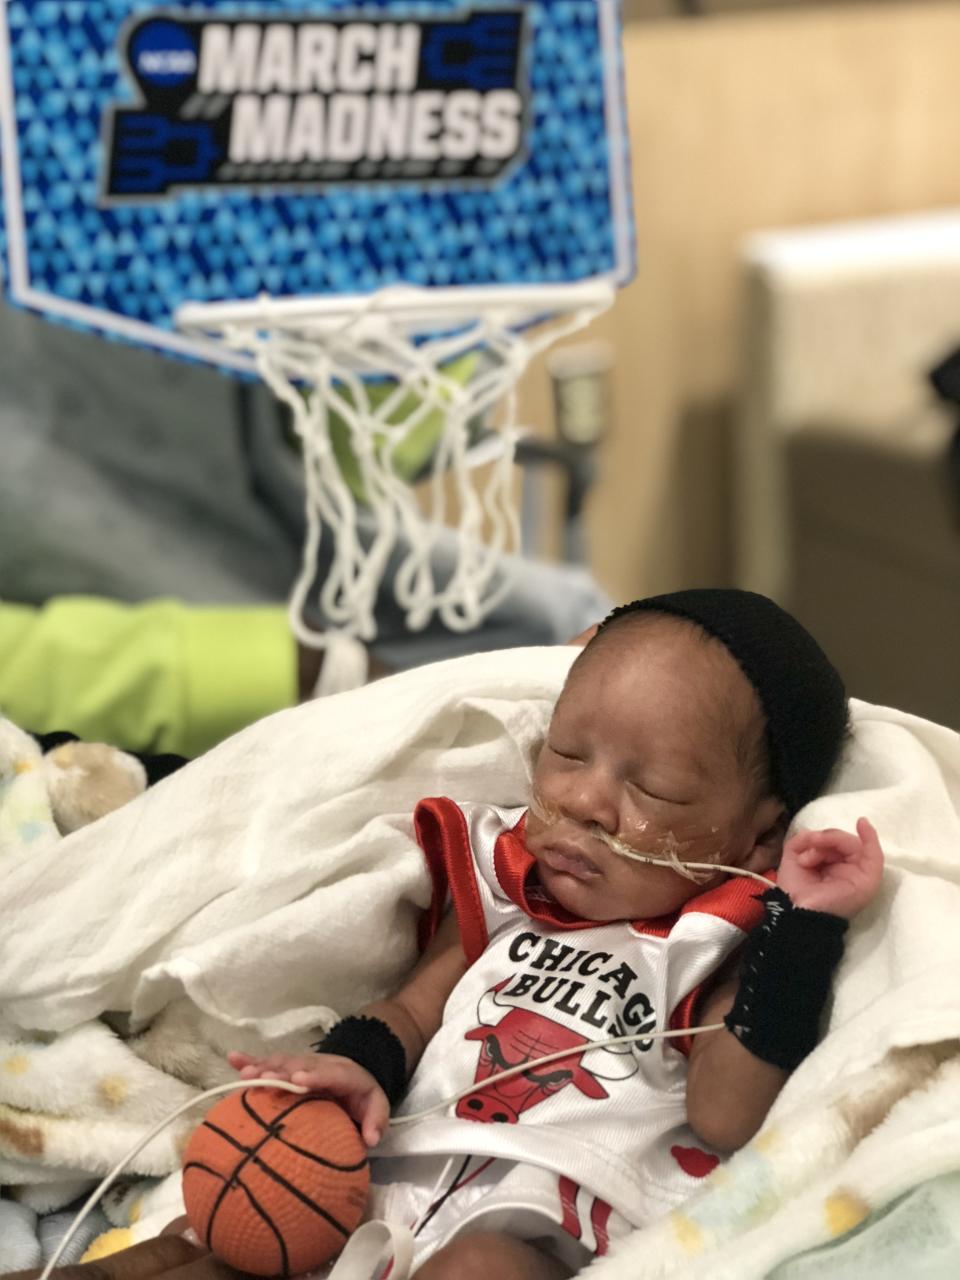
276, 881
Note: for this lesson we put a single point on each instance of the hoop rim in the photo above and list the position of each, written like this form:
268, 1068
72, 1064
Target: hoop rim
411, 307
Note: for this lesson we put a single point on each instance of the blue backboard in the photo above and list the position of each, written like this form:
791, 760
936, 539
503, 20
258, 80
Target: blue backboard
156, 154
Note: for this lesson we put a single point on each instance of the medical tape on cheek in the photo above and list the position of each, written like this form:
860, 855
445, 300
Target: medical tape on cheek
670, 859
698, 872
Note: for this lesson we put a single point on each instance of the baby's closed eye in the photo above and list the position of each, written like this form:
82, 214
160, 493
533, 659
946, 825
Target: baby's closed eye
654, 792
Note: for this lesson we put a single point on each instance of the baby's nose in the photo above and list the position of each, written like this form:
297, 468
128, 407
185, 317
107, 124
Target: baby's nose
591, 800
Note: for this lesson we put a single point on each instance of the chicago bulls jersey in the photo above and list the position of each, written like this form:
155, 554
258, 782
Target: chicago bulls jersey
612, 1121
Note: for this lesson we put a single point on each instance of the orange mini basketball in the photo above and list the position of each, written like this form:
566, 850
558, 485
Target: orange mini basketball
274, 1183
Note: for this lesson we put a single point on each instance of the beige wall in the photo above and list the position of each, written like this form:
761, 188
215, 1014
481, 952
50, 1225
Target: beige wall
747, 121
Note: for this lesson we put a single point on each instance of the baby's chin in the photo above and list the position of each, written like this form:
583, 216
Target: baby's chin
561, 889
588, 900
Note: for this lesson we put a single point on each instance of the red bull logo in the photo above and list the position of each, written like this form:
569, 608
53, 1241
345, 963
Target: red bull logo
520, 1036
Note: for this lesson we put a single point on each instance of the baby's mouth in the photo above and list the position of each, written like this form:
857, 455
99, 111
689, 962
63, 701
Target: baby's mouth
569, 860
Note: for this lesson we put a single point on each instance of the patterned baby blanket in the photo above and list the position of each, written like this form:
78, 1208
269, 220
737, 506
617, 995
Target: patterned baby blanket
72, 1103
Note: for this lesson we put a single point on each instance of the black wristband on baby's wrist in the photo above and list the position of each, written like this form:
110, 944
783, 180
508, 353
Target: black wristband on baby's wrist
788, 964
371, 1044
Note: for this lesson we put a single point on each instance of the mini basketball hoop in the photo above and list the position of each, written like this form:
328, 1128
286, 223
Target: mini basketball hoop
317, 356
385, 210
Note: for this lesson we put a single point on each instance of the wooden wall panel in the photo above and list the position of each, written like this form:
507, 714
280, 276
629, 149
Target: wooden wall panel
753, 120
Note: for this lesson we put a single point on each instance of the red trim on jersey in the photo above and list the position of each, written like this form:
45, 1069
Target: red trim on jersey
444, 837
736, 901
570, 1223
516, 870
682, 1019
599, 1217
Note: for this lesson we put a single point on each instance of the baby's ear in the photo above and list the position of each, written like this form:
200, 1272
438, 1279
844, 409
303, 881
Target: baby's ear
771, 826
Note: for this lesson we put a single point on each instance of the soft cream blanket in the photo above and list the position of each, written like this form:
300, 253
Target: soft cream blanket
276, 879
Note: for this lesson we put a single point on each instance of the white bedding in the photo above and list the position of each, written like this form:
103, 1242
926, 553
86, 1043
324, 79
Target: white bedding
276, 881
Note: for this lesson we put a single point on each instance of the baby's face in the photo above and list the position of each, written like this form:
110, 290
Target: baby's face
646, 745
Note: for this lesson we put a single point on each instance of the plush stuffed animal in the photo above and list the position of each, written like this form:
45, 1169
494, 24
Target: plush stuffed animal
86, 780
57, 777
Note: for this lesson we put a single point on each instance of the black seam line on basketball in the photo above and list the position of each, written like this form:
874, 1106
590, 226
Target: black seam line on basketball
195, 1164
247, 1104
258, 1208
281, 1136
328, 1164
235, 1142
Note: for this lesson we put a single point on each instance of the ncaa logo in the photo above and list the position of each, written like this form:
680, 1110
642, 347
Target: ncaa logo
163, 54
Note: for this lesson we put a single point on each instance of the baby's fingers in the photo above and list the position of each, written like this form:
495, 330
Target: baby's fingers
809, 856
354, 1089
871, 841
256, 1072
250, 1068
374, 1118
268, 1069
820, 856
871, 860
834, 845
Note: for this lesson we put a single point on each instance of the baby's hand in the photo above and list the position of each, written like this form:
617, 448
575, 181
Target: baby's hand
331, 1077
832, 870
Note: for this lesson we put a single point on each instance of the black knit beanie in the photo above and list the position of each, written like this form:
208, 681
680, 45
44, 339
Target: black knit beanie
800, 690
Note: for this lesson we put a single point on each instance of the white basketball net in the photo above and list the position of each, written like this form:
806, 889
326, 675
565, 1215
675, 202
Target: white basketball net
319, 356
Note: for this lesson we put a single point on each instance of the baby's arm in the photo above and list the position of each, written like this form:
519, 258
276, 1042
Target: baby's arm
413, 1015
729, 1088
